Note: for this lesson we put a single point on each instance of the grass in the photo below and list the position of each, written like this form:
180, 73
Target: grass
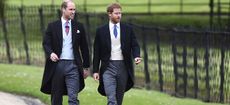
25, 80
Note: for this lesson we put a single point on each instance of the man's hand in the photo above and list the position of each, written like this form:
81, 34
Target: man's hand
137, 60
54, 57
86, 73
96, 76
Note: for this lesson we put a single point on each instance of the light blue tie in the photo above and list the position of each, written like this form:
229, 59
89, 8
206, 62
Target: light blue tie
115, 30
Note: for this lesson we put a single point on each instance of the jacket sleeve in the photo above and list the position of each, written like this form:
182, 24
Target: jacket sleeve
84, 48
96, 53
47, 38
134, 44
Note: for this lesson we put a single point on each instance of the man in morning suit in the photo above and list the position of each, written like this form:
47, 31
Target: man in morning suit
114, 47
67, 53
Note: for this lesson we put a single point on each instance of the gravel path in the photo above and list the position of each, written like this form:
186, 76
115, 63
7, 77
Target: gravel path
11, 99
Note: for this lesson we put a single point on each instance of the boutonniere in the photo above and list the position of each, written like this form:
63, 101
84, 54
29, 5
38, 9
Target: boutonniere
78, 31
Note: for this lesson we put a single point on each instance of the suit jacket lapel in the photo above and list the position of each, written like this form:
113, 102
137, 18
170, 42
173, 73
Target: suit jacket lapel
107, 37
59, 32
122, 28
74, 30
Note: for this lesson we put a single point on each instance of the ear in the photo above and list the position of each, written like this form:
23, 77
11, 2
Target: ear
110, 14
63, 10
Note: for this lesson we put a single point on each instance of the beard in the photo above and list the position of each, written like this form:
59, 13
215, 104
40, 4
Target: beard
116, 20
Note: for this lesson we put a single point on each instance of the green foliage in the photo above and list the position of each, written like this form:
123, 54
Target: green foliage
26, 80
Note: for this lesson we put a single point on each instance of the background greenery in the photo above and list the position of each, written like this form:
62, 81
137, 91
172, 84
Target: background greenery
34, 36
198, 21
127, 8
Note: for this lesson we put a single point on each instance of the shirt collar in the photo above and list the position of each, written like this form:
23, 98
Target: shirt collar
64, 21
111, 25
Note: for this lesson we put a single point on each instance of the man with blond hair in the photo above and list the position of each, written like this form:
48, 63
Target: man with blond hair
67, 54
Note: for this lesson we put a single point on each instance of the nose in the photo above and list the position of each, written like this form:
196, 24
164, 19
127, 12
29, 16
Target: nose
119, 16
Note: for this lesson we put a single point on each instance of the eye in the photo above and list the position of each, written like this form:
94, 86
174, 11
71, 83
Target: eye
117, 13
72, 9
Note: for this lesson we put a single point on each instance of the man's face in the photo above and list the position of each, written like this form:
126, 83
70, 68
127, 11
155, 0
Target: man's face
69, 12
115, 16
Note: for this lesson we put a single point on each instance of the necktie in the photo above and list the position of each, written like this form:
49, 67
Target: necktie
67, 27
115, 30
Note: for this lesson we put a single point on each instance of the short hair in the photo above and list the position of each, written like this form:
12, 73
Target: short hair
112, 6
64, 4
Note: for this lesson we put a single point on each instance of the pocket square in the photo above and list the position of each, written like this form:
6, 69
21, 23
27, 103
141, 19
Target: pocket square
78, 31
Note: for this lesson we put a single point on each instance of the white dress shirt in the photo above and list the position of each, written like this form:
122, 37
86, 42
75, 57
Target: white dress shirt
116, 53
67, 47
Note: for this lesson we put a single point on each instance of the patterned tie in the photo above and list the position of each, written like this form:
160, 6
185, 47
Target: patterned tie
115, 30
67, 27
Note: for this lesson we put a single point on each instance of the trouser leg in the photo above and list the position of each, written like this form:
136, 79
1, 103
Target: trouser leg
57, 85
72, 84
122, 78
109, 80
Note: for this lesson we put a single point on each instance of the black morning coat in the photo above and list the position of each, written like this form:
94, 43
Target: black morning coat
52, 42
102, 52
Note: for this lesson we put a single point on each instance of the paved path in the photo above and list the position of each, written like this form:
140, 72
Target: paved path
11, 99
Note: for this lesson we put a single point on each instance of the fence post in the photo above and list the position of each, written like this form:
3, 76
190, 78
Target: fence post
229, 17
40, 10
207, 79
102, 18
222, 68
59, 13
219, 13
159, 59
181, 7
85, 6
211, 6
174, 50
52, 8
149, 6
24, 36
5, 34
185, 76
146, 68
195, 71
42, 24
87, 18
52, 2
